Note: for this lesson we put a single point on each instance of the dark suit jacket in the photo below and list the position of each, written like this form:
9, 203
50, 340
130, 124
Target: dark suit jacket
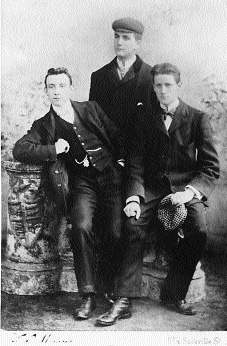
118, 98
38, 146
164, 161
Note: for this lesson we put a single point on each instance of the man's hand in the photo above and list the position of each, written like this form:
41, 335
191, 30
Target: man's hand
132, 209
62, 146
182, 197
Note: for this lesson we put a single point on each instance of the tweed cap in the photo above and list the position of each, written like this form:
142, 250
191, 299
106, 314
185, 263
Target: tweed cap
128, 25
171, 216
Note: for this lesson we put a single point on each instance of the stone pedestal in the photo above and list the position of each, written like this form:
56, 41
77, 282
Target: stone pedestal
31, 264
153, 278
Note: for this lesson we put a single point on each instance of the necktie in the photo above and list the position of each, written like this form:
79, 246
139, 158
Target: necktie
165, 113
122, 71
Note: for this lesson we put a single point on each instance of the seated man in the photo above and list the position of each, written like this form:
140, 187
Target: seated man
173, 153
78, 144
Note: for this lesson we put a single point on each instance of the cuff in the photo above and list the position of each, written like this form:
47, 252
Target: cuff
196, 192
133, 199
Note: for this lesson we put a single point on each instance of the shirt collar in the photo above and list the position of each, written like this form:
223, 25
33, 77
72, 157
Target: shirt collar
128, 63
66, 108
172, 106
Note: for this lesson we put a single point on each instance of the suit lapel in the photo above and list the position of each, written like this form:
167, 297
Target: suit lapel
49, 123
159, 122
112, 74
178, 118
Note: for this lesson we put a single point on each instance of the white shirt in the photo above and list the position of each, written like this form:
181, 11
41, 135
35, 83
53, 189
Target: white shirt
66, 112
172, 107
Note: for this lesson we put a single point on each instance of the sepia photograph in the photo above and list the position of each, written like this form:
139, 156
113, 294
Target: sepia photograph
114, 172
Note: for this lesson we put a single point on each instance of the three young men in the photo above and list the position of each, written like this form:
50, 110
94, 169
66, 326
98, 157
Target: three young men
172, 154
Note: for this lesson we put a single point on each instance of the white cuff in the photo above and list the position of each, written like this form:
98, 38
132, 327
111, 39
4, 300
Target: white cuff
133, 199
196, 192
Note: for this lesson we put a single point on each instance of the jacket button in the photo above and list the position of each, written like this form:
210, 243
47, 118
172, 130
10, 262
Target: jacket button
56, 171
94, 164
91, 157
59, 185
82, 143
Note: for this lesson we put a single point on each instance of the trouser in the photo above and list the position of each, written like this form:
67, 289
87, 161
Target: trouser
185, 257
97, 197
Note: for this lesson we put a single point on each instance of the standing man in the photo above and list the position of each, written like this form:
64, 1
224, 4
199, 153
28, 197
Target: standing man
79, 148
173, 153
118, 86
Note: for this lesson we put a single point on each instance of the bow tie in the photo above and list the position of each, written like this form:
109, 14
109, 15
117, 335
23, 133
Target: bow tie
165, 113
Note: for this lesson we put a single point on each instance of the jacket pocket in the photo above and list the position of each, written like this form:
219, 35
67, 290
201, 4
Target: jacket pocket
189, 150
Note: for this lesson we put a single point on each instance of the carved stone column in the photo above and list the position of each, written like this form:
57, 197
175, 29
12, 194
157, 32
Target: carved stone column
31, 264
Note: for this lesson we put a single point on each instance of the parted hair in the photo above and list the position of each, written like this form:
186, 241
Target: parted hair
166, 68
58, 70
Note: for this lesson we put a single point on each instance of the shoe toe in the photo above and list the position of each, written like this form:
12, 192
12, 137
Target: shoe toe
185, 309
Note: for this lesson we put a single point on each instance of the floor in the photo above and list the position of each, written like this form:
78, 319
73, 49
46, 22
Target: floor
54, 312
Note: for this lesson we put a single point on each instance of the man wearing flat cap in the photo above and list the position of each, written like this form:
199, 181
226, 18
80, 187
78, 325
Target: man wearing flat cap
120, 85
124, 82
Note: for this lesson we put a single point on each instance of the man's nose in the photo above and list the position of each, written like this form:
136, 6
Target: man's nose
119, 41
163, 89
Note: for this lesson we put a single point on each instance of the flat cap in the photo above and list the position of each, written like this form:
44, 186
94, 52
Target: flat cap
128, 25
171, 216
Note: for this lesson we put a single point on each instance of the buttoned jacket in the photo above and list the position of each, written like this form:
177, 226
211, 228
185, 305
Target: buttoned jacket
163, 161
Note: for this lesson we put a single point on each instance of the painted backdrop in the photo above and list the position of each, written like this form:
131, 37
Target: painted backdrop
37, 35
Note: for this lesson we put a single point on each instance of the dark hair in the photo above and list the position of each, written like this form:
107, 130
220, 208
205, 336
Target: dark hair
138, 36
59, 70
166, 68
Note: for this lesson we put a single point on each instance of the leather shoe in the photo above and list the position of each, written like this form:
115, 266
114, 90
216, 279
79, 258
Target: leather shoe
120, 309
87, 307
185, 309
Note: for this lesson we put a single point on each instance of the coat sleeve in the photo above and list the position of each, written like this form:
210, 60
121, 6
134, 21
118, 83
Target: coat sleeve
30, 149
135, 163
207, 158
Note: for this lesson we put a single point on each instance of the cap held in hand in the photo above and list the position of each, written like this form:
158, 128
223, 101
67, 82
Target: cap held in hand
172, 216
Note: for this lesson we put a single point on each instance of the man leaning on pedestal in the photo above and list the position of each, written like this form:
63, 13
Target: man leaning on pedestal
172, 154
80, 149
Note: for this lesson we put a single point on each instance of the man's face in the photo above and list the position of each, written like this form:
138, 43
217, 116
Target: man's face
58, 89
166, 88
125, 44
